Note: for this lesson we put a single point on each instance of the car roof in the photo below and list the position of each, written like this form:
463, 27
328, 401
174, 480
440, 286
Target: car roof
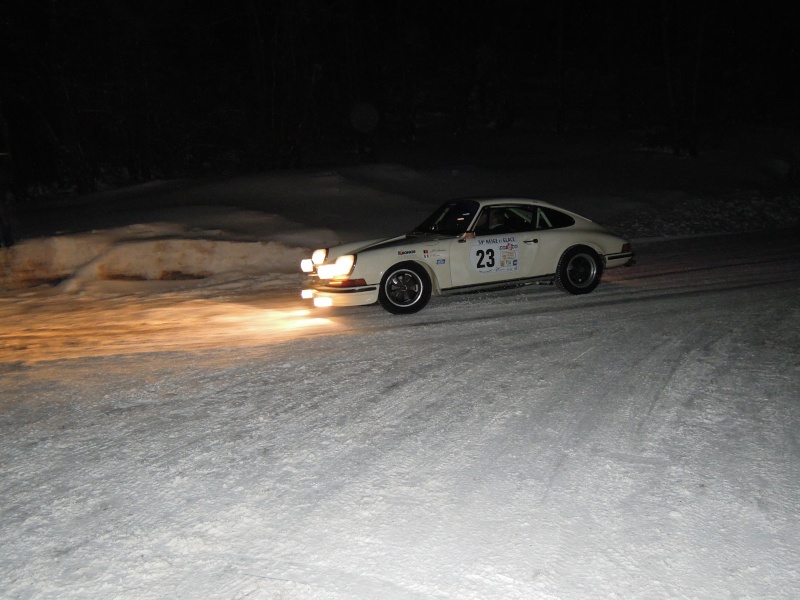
501, 200
486, 201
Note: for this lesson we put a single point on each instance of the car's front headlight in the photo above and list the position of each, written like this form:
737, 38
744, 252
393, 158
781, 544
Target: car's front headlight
342, 266
317, 258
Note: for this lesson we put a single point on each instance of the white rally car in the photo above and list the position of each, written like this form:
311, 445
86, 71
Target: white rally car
467, 245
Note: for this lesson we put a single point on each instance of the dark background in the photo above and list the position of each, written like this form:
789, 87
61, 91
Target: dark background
117, 91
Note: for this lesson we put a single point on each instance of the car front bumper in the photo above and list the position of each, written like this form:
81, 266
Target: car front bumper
325, 295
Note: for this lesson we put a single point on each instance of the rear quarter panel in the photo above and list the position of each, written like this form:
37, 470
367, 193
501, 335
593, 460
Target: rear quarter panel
553, 243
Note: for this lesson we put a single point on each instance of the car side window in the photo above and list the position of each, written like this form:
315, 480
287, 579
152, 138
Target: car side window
495, 220
521, 218
547, 218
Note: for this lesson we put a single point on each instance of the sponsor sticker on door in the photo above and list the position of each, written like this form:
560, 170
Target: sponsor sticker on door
499, 254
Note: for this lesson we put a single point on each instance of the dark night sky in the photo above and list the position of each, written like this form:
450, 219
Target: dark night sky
88, 86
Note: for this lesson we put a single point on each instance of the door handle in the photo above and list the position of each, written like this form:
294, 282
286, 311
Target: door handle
533, 241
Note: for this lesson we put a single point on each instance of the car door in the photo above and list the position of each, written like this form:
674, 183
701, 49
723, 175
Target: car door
501, 247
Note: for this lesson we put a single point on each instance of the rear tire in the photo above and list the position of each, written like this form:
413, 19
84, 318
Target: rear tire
405, 289
579, 270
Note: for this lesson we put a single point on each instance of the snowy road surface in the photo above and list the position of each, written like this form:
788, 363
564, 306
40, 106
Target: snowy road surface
638, 442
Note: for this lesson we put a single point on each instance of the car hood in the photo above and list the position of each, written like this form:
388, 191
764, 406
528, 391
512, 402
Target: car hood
381, 243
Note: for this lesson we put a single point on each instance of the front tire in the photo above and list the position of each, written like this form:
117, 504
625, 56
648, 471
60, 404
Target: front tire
405, 289
579, 270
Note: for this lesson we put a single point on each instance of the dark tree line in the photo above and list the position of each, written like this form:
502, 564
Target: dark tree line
98, 89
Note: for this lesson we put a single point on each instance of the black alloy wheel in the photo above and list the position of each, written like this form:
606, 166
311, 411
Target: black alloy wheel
579, 270
405, 289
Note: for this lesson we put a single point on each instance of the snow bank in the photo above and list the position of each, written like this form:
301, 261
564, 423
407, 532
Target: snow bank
243, 242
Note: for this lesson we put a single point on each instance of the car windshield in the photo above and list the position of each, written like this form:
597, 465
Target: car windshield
452, 218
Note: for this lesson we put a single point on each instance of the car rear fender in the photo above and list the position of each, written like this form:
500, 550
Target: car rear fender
553, 244
596, 248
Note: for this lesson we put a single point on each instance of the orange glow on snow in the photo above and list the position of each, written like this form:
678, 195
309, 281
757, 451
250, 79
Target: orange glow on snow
58, 327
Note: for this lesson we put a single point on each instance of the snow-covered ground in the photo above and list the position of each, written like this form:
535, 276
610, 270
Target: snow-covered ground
176, 423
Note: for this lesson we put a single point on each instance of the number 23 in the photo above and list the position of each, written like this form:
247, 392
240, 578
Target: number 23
485, 258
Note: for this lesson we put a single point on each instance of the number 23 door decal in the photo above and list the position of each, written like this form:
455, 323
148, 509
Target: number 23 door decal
498, 254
